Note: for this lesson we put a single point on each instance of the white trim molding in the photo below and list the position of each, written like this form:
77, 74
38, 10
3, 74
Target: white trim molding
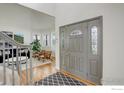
112, 81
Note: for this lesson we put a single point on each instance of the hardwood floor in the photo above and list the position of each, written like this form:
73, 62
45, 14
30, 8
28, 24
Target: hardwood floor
39, 72
42, 71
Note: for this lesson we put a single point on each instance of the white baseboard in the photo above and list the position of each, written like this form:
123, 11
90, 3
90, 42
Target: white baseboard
1, 83
112, 81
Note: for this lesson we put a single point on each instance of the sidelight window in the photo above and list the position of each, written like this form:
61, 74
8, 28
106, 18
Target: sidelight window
94, 37
62, 33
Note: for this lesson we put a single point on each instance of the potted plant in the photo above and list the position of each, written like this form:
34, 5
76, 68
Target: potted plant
36, 46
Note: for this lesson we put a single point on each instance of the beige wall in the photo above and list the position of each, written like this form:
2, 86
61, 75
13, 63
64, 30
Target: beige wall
16, 18
113, 34
47, 8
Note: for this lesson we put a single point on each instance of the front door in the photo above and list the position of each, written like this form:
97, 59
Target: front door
81, 49
78, 49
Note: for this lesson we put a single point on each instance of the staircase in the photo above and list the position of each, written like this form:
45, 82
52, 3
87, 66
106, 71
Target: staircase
14, 55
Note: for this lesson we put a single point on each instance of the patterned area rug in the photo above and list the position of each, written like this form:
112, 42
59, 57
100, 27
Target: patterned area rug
59, 79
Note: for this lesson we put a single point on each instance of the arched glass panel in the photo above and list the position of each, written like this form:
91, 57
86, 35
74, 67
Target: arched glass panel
76, 33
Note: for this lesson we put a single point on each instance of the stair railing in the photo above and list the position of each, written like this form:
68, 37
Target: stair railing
12, 58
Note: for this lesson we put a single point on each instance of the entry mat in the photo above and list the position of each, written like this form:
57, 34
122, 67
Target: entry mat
59, 79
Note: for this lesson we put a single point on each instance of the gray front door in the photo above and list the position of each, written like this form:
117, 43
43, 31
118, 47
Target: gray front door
81, 49
78, 49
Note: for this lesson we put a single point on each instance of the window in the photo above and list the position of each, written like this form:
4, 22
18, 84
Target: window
94, 40
76, 33
45, 40
53, 41
36, 37
62, 33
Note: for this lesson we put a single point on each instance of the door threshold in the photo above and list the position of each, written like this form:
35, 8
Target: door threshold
87, 82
